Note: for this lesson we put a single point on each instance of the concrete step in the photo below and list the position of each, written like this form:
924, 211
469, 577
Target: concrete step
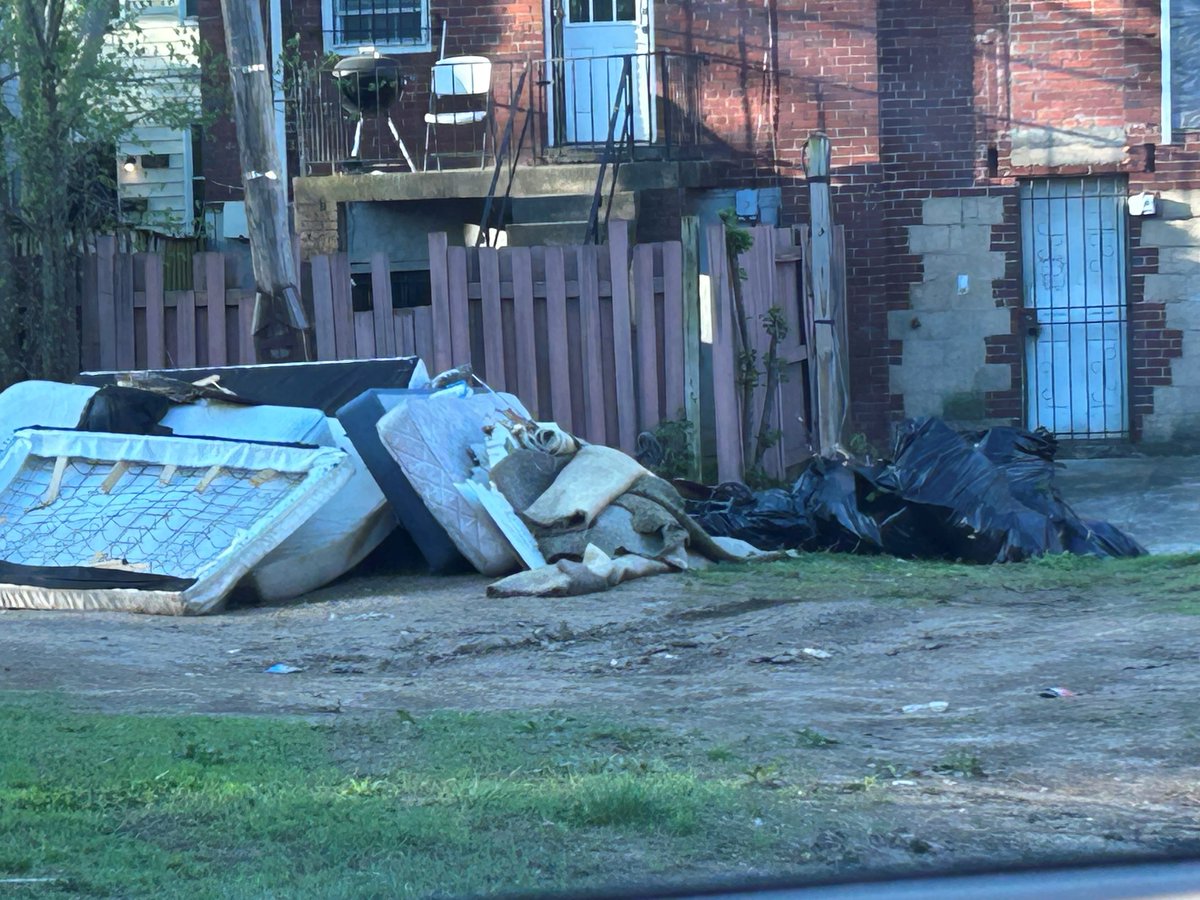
570, 207
546, 234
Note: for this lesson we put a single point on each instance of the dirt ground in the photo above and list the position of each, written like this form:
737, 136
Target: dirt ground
1114, 769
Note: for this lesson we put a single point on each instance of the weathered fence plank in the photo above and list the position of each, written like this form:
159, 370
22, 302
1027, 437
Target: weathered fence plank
493, 322
245, 314
460, 315
214, 285
423, 335
647, 337
156, 325
343, 306
123, 318
322, 290
527, 375
673, 336
439, 281
618, 249
381, 305
728, 435
364, 335
690, 240
589, 312
556, 324
185, 330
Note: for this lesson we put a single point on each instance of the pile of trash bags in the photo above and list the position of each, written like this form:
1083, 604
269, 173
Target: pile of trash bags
987, 497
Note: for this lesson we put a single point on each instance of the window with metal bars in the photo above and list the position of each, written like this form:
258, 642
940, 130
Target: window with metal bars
381, 24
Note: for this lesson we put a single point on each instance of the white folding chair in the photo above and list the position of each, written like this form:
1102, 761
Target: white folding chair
460, 96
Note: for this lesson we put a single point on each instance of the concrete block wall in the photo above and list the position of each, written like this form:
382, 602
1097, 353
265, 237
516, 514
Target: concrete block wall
943, 368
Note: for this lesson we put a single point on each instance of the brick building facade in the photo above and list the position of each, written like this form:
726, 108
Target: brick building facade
955, 125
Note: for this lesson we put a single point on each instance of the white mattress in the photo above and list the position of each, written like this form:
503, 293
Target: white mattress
333, 541
180, 507
236, 421
336, 539
430, 441
49, 404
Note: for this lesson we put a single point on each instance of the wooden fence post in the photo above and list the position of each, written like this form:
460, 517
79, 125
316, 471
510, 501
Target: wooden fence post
690, 236
725, 387
830, 393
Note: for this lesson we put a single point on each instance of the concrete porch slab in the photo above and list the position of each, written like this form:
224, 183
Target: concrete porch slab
1154, 499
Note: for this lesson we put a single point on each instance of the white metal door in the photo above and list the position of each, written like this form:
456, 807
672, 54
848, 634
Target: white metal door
597, 37
1074, 253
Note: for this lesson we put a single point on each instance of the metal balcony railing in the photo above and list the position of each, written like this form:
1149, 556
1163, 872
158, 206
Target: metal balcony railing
365, 120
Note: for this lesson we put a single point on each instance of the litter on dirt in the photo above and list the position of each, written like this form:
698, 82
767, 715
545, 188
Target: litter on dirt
1053, 693
282, 669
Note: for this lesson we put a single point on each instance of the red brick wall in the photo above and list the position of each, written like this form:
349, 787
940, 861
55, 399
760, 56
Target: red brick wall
919, 98
822, 53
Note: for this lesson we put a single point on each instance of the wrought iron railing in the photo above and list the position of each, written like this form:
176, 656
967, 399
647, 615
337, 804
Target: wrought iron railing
564, 106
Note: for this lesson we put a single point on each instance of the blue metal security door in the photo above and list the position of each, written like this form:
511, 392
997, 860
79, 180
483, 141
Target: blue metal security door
1074, 257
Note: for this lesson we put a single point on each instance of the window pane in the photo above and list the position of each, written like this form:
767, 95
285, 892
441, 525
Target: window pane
1185, 64
579, 11
602, 10
626, 10
379, 22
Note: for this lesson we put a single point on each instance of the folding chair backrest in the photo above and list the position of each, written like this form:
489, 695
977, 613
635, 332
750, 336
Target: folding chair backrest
462, 76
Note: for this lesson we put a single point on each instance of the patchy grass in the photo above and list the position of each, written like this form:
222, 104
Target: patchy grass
118, 805
1172, 582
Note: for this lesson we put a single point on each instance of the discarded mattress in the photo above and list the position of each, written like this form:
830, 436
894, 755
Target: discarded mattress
431, 441
333, 541
359, 418
326, 386
153, 524
337, 538
47, 404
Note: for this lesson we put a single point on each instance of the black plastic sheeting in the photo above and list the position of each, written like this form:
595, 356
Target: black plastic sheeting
986, 497
89, 578
123, 410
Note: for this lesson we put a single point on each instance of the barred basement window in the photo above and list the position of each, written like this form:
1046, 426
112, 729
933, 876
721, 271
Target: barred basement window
390, 25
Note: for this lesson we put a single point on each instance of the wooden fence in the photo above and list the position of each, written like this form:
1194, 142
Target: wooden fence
128, 320
605, 340
772, 277
595, 338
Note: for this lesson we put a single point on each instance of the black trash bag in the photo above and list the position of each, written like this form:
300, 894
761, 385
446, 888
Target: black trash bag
123, 410
833, 494
1027, 461
770, 520
984, 497
968, 498
1103, 539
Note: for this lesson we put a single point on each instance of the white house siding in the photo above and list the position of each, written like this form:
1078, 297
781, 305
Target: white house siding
167, 191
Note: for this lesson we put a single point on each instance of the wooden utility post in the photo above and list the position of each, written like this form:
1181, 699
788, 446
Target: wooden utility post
280, 324
828, 372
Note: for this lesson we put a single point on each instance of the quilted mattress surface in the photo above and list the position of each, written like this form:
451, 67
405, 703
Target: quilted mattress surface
431, 443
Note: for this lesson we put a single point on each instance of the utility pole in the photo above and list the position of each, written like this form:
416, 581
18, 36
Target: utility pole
281, 330
828, 367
